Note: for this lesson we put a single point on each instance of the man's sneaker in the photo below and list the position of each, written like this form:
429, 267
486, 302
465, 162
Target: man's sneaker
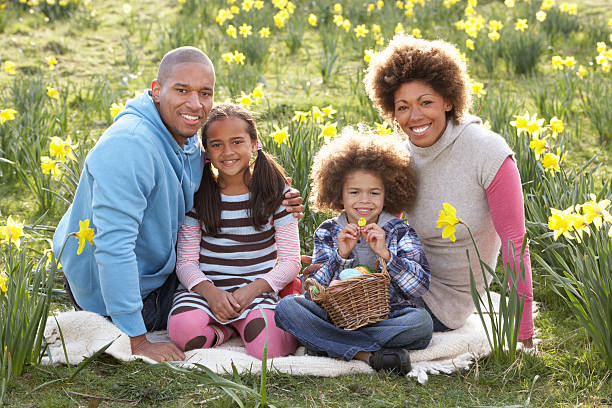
396, 360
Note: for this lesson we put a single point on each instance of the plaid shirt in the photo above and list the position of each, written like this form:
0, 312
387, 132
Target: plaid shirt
408, 267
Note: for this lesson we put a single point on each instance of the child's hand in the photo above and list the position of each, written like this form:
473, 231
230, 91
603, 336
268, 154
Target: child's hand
222, 303
375, 236
246, 294
347, 239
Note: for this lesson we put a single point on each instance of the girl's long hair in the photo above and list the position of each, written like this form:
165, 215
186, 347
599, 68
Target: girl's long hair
266, 184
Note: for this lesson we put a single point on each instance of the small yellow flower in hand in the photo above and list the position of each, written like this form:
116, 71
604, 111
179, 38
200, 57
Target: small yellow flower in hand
84, 234
361, 222
448, 220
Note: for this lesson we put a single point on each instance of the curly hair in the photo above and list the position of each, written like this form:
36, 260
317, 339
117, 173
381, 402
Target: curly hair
362, 149
406, 59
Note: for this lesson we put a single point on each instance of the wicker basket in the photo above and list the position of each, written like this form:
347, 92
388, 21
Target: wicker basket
359, 301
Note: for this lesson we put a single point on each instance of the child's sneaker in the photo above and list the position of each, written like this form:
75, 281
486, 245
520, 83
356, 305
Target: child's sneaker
396, 360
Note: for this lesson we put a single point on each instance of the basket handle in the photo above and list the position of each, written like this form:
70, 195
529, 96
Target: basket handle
316, 290
380, 261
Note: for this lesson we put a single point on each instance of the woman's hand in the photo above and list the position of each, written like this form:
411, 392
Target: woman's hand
347, 239
223, 304
375, 236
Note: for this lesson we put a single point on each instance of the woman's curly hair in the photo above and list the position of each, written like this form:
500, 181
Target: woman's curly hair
406, 59
363, 149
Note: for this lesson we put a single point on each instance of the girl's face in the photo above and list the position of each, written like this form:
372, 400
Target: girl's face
229, 146
363, 196
421, 112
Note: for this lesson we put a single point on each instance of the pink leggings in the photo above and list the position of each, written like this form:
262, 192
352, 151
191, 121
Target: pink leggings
194, 328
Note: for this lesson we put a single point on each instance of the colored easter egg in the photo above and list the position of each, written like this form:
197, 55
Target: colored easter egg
349, 273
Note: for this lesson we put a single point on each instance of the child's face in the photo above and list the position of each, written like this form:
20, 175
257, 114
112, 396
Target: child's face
229, 146
363, 196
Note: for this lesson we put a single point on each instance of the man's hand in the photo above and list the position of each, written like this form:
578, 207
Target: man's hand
162, 351
293, 201
347, 239
375, 236
222, 303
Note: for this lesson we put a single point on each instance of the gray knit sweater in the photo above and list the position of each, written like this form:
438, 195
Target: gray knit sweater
457, 169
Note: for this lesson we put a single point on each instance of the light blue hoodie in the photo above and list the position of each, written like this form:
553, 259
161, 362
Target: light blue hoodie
135, 189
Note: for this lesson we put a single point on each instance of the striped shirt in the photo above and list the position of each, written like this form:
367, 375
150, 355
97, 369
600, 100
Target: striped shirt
238, 255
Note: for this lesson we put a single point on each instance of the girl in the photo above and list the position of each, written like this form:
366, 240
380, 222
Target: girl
376, 180
238, 247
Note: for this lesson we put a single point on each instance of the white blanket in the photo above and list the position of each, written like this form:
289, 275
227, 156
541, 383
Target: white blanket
85, 333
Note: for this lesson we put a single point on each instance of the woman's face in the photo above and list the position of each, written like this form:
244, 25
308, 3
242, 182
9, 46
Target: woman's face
421, 112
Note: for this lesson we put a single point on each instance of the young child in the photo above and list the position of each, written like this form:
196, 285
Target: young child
238, 247
363, 175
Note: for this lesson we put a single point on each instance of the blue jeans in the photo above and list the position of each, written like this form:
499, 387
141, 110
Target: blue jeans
409, 328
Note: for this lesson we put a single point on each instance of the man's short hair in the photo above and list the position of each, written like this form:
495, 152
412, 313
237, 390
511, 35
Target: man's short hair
178, 56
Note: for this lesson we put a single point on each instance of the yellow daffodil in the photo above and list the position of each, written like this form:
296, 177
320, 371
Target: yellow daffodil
259, 4
51, 62
521, 122
346, 24
329, 111
239, 57
312, 20
9, 67
601, 47
469, 44
581, 71
541, 16
227, 57
224, 15
361, 31
556, 126
279, 135
50, 166
550, 162
382, 129
85, 234
547, 4
399, 28
7, 115
127, 9
316, 114
447, 220
561, 223
367, 55
370, 8
538, 146
579, 225
408, 9
569, 62
376, 28
247, 5
3, 283
510, 3
469, 11
52, 93
231, 31
244, 99
257, 93
493, 36
557, 62
521, 24
11, 232
300, 116
235, 9
328, 130
472, 3
380, 4
115, 108
596, 212
337, 8
62, 148
245, 30
279, 20
478, 89
534, 126
338, 20
416, 33
495, 25
264, 32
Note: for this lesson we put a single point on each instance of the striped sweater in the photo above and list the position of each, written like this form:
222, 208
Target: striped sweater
238, 255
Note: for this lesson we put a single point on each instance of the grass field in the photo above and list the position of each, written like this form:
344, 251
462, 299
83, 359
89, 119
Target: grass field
108, 50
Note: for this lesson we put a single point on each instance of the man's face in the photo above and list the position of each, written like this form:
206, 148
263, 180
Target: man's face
184, 99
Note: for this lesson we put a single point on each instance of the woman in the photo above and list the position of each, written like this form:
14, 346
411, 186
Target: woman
423, 88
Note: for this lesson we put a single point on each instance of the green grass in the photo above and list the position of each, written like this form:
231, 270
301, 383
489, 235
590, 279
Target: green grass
570, 372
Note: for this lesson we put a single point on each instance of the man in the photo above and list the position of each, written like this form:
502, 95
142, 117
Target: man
137, 185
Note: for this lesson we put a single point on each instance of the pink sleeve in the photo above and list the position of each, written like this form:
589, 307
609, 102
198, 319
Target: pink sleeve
288, 257
505, 197
188, 256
